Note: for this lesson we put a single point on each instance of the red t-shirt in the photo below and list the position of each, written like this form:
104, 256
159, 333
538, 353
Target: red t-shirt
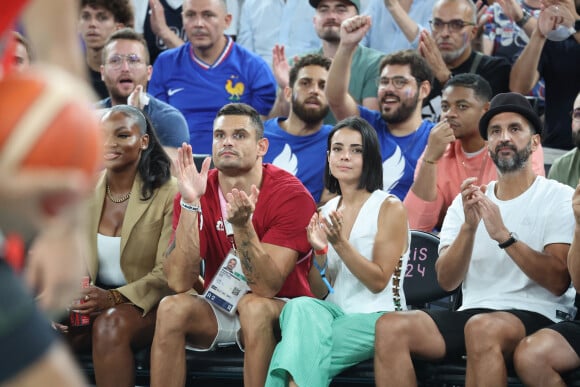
283, 211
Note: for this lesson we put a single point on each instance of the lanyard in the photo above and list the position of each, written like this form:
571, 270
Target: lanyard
227, 225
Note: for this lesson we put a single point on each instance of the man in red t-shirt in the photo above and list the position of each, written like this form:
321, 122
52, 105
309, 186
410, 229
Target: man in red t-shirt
257, 209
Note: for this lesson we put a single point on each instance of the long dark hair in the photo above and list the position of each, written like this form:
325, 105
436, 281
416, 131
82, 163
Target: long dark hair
154, 166
371, 177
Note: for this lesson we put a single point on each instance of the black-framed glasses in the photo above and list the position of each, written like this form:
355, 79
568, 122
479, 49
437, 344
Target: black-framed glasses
454, 25
575, 114
398, 82
116, 61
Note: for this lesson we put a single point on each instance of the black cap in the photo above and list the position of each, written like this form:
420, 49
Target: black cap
510, 102
356, 3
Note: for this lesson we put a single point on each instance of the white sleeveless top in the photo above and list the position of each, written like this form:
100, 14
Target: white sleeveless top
109, 254
349, 293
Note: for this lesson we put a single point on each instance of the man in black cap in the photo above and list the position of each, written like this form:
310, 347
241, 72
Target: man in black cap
506, 244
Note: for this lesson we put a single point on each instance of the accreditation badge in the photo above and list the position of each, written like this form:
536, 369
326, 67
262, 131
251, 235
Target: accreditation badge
228, 285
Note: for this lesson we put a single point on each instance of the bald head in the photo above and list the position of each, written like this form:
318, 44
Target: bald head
466, 9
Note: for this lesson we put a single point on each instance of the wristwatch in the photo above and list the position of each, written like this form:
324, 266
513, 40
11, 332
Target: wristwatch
526, 15
512, 239
577, 25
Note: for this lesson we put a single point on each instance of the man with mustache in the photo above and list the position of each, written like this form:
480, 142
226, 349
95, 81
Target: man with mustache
126, 69
255, 209
448, 49
209, 71
505, 244
404, 82
455, 151
298, 143
566, 168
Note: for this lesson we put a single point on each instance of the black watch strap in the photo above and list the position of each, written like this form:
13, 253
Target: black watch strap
577, 25
512, 239
525, 17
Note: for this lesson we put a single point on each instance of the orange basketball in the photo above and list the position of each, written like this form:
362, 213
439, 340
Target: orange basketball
46, 122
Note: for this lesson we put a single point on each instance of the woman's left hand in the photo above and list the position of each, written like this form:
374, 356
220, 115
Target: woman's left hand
333, 228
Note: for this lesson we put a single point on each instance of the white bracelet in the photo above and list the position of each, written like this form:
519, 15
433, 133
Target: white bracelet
190, 207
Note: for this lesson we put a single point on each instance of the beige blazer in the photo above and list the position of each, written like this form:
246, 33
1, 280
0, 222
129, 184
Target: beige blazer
145, 235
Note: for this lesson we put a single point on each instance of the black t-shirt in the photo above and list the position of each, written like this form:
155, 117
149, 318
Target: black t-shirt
560, 67
174, 22
98, 84
495, 70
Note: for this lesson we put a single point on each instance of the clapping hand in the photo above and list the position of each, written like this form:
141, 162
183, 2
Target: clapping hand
471, 194
191, 183
429, 50
240, 206
315, 233
331, 229
492, 219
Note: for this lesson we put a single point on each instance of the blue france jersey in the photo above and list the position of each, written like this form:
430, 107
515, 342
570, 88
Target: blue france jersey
400, 154
199, 90
302, 156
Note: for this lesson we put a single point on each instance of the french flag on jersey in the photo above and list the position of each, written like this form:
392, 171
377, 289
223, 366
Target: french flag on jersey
227, 50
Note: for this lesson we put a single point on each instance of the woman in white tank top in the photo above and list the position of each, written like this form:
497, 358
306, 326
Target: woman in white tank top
360, 241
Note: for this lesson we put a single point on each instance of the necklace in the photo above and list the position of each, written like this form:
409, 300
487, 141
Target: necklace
120, 199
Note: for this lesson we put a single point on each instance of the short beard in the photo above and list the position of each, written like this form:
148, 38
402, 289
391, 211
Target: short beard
330, 37
514, 164
450, 56
309, 116
118, 98
403, 113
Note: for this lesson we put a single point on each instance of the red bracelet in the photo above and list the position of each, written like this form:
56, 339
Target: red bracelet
322, 251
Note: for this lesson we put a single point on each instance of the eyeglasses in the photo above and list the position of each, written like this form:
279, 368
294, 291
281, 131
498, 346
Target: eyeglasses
575, 114
455, 25
116, 61
398, 82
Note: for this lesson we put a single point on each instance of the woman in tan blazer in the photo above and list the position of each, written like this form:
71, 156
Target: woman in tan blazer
130, 213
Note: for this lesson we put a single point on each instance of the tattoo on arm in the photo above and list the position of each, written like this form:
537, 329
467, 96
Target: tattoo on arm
246, 258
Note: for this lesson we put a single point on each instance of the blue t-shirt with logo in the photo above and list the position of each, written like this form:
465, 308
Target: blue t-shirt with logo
302, 156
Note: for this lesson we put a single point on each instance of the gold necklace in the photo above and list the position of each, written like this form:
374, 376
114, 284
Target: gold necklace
121, 199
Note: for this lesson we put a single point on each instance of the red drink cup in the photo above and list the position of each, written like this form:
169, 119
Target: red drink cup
77, 319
